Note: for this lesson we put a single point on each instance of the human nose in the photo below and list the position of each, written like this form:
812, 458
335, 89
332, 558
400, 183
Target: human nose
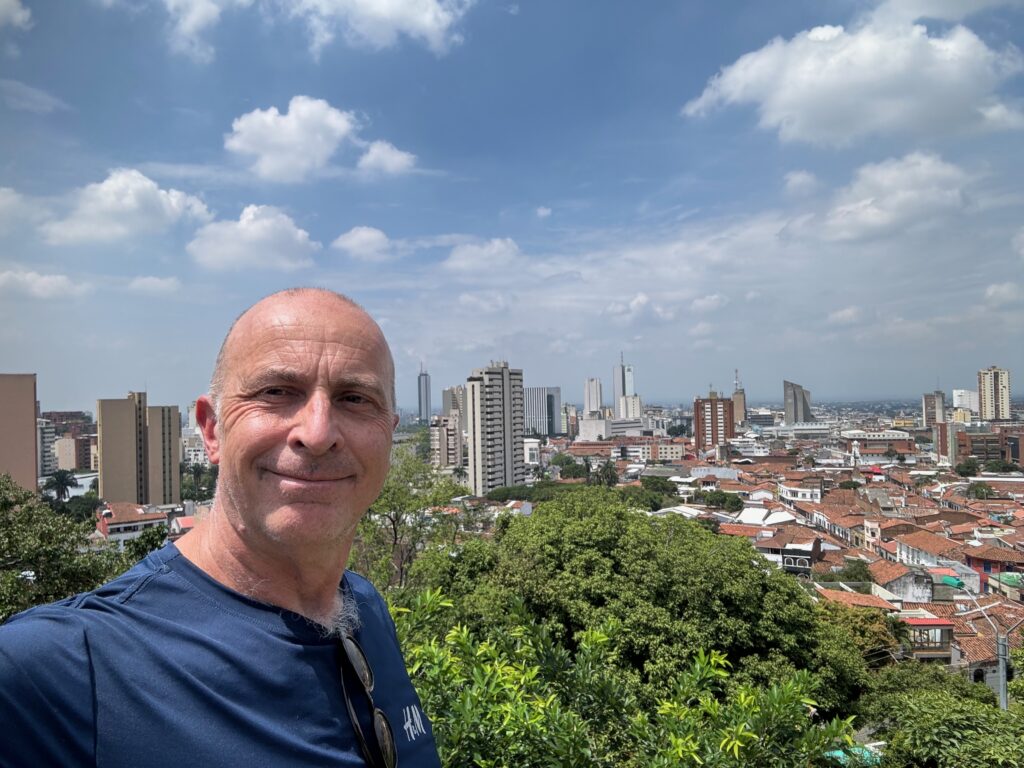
316, 429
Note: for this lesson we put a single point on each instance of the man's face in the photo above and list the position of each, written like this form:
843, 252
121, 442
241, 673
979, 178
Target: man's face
305, 425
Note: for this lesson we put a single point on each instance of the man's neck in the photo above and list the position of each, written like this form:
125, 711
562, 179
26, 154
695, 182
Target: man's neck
302, 582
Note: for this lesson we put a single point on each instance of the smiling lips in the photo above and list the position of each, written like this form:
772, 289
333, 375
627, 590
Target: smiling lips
303, 478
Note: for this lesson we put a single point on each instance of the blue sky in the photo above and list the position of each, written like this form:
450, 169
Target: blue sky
824, 191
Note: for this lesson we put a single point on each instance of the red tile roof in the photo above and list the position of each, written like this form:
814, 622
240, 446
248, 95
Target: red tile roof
855, 599
929, 542
885, 571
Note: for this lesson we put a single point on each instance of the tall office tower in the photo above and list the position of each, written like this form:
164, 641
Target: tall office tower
423, 385
446, 441
798, 403
543, 410
139, 450
994, 394
622, 385
47, 457
712, 420
739, 401
630, 407
496, 420
570, 420
18, 452
933, 408
966, 399
591, 397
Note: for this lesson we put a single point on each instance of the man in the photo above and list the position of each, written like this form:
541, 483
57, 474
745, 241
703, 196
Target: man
237, 647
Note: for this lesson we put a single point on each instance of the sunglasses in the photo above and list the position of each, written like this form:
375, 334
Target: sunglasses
385, 756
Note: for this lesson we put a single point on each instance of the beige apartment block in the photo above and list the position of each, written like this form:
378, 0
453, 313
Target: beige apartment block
139, 451
18, 415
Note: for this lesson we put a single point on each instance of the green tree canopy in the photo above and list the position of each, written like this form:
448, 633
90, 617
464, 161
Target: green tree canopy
968, 468
60, 484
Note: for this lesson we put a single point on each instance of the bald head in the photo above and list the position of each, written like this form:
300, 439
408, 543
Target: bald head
292, 301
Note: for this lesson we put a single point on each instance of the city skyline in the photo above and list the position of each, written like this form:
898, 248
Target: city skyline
690, 187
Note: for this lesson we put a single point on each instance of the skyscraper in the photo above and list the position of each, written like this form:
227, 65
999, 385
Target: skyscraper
496, 421
994, 394
739, 401
712, 420
797, 402
543, 410
622, 385
933, 408
18, 451
423, 386
591, 396
139, 450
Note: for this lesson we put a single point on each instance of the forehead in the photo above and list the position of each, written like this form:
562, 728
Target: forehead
305, 333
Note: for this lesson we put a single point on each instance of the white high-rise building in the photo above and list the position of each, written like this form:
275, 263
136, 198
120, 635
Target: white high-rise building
966, 399
622, 386
446, 441
591, 396
495, 422
994, 394
46, 459
630, 407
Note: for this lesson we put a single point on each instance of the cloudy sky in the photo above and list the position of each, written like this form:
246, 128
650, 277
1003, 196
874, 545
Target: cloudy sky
822, 190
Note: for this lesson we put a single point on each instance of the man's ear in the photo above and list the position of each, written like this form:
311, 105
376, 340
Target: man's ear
206, 419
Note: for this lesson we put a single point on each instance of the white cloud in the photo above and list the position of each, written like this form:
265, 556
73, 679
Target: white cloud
844, 316
190, 19
911, 191
831, 86
264, 237
379, 24
640, 307
154, 285
39, 286
384, 157
15, 209
800, 183
484, 302
708, 303
291, 146
1003, 293
702, 328
13, 13
25, 98
364, 243
495, 254
125, 204
543, 212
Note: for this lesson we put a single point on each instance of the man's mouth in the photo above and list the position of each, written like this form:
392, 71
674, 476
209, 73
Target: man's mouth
300, 477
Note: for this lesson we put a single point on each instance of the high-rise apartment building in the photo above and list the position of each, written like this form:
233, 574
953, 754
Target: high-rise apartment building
496, 422
630, 407
797, 403
592, 397
423, 387
994, 394
933, 408
445, 441
622, 386
453, 403
46, 460
966, 399
543, 410
713, 422
139, 450
18, 452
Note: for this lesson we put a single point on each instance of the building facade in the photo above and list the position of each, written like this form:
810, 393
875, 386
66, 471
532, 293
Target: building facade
543, 410
445, 441
591, 397
994, 394
933, 408
496, 420
139, 451
423, 388
966, 398
797, 402
622, 386
18, 451
712, 421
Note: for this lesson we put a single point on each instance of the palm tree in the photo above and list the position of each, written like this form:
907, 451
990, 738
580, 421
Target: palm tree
60, 483
459, 473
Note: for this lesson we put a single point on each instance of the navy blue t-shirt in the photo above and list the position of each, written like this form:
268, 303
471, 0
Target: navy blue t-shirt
166, 667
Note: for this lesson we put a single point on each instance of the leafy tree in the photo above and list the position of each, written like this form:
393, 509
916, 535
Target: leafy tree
402, 520
460, 474
936, 729
44, 556
573, 471
152, 538
980, 491
659, 485
60, 484
677, 430
82, 507
889, 686
563, 460
999, 465
849, 485
968, 468
642, 498
605, 475
854, 571
731, 502
877, 636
